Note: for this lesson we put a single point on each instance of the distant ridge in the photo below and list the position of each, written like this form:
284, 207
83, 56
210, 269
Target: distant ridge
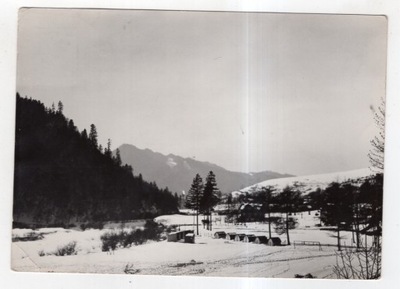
177, 173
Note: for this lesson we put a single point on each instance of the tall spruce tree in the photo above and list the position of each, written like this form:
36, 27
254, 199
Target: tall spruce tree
210, 198
194, 197
84, 134
93, 136
117, 159
107, 150
60, 107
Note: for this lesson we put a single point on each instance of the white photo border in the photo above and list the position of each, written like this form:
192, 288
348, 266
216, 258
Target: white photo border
391, 221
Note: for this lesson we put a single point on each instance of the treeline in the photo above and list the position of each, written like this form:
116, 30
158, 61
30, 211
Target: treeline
201, 198
63, 175
354, 205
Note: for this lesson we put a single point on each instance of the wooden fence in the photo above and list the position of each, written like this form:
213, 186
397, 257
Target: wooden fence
316, 243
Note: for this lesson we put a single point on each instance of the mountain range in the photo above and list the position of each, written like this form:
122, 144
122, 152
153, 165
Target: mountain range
177, 173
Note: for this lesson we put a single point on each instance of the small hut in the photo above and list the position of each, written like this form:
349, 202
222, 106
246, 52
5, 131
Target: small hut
220, 235
178, 236
274, 241
261, 240
249, 238
239, 237
189, 238
230, 236
172, 237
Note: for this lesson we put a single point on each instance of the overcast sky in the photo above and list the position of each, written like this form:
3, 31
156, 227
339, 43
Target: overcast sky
250, 92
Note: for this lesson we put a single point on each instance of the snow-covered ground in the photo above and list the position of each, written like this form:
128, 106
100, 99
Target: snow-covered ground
312, 182
307, 230
208, 256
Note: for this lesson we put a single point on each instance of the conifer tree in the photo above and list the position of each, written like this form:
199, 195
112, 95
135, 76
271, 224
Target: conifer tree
93, 135
84, 134
194, 197
60, 107
71, 125
338, 208
107, 150
118, 160
210, 197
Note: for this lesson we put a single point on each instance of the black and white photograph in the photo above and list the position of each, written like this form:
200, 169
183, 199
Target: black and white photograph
199, 143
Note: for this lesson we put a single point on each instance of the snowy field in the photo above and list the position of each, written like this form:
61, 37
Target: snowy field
207, 257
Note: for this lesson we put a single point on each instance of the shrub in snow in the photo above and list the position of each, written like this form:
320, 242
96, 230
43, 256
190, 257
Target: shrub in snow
136, 237
111, 240
281, 225
66, 250
92, 225
153, 230
30, 236
139, 237
130, 270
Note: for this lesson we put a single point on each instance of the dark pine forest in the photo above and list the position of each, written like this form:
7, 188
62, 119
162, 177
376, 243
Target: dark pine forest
62, 175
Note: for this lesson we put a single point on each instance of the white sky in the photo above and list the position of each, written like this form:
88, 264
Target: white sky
250, 92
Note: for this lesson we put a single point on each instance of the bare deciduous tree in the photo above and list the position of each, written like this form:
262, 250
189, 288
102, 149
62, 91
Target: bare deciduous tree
376, 153
364, 263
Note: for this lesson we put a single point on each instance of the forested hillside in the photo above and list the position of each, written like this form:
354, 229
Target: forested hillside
64, 176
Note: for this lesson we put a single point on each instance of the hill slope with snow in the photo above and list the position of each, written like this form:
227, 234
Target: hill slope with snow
311, 183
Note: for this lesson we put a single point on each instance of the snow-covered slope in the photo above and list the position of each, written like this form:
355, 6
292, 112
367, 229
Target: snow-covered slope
311, 183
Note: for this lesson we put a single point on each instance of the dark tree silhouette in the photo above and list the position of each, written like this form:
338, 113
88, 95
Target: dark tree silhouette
60, 107
84, 134
289, 200
107, 150
210, 198
371, 199
93, 136
338, 207
117, 159
194, 197
264, 196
